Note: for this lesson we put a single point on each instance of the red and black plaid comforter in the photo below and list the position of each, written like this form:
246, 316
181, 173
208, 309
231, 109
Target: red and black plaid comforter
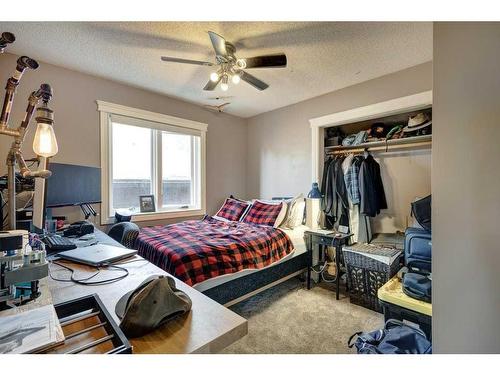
198, 250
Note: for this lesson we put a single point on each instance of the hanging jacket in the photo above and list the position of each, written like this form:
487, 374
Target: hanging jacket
341, 203
371, 189
326, 187
334, 192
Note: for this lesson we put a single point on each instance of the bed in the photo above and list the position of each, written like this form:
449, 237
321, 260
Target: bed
226, 260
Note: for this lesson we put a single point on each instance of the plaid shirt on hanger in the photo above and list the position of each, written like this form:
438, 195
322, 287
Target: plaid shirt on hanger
352, 181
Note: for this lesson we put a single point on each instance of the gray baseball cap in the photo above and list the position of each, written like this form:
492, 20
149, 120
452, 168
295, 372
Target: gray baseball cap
151, 304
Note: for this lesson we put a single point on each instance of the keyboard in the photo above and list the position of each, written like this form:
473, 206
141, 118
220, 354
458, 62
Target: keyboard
58, 243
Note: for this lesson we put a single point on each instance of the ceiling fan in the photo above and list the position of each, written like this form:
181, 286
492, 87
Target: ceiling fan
231, 67
216, 108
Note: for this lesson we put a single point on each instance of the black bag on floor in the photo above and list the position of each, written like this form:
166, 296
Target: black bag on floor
395, 338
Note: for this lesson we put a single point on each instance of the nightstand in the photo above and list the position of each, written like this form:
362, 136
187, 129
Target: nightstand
322, 239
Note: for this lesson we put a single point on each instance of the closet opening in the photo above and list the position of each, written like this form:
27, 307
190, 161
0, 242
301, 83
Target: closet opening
396, 138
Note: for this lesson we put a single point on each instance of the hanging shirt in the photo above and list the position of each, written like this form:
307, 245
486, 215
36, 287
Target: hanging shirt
347, 163
371, 188
351, 180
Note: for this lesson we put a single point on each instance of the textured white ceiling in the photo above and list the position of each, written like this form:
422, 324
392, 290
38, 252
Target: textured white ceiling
322, 56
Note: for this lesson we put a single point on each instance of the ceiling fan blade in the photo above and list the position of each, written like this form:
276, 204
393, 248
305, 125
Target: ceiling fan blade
211, 85
268, 61
185, 61
220, 97
255, 82
219, 44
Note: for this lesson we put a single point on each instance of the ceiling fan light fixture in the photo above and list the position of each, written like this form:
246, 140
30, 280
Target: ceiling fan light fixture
214, 77
224, 86
236, 78
241, 63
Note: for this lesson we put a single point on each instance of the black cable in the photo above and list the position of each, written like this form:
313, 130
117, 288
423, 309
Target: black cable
85, 281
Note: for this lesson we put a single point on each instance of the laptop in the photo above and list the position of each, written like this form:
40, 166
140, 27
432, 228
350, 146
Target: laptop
97, 255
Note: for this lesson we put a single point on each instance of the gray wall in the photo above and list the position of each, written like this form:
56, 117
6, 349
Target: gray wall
466, 187
279, 146
77, 124
279, 142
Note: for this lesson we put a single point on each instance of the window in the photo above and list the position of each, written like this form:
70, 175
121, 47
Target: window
143, 153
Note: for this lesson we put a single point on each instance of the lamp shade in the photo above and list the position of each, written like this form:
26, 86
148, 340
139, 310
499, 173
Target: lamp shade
314, 193
45, 143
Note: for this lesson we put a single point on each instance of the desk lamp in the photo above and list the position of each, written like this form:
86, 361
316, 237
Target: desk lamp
313, 210
44, 144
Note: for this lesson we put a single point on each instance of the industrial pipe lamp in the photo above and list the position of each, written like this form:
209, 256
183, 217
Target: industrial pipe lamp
44, 144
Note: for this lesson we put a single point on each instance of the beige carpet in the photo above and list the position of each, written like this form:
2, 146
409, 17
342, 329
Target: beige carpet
288, 318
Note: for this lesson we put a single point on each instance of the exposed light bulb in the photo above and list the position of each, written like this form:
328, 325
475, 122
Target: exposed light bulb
214, 77
236, 79
224, 86
45, 143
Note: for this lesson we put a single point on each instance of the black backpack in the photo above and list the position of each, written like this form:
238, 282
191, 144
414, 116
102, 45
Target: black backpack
421, 210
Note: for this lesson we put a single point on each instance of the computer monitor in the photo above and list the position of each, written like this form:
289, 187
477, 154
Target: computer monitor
69, 185
73, 185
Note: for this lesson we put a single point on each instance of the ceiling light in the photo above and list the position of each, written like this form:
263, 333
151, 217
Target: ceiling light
236, 79
214, 77
224, 86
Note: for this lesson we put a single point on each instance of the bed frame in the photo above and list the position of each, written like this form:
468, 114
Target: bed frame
237, 290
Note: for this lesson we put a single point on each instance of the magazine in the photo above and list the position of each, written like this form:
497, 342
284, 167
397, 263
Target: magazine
30, 331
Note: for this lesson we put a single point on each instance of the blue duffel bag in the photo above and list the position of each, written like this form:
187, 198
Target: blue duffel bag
418, 248
417, 283
395, 338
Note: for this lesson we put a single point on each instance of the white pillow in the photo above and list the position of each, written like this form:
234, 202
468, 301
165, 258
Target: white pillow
281, 216
295, 213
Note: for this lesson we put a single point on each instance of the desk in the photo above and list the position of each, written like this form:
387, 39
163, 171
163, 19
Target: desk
208, 328
323, 239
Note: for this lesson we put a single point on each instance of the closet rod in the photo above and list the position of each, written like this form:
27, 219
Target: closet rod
421, 141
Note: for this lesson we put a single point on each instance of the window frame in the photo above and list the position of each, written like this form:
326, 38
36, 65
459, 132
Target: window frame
163, 123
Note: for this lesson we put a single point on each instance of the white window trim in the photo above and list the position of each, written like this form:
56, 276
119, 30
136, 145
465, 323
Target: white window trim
105, 110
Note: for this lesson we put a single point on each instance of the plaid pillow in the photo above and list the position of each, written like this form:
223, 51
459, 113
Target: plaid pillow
263, 213
232, 209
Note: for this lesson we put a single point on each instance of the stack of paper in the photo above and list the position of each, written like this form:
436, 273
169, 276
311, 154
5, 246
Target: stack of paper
30, 331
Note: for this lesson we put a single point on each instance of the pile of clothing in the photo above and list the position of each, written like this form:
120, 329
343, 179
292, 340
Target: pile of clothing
417, 125
352, 190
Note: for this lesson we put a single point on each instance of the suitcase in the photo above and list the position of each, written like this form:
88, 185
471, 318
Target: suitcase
418, 248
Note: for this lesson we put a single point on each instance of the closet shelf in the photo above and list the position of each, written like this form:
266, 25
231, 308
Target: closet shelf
420, 141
